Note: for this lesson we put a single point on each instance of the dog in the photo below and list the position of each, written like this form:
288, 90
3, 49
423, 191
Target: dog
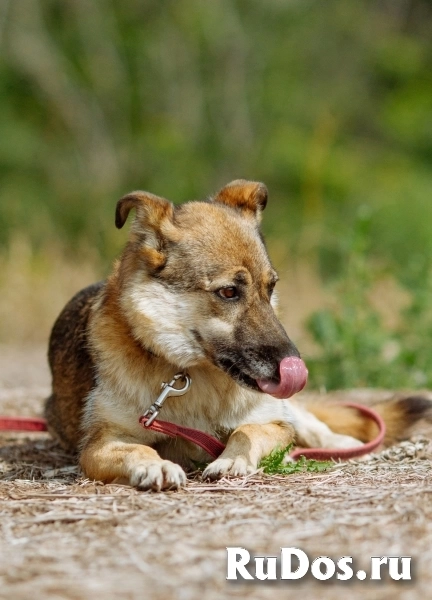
192, 291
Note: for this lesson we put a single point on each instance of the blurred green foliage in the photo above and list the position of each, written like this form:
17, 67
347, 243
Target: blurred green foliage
356, 347
329, 103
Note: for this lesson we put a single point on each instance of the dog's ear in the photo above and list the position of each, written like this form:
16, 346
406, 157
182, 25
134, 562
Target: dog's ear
152, 225
248, 197
150, 209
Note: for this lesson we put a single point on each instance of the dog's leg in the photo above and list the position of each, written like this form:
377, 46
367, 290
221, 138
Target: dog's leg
313, 433
108, 457
247, 445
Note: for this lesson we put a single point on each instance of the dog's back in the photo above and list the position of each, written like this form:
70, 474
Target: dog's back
71, 366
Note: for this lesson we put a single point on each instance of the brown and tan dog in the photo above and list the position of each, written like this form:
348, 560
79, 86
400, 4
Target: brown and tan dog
192, 290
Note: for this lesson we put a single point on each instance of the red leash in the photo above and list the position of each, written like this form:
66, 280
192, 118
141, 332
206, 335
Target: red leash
213, 446
346, 453
207, 442
22, 424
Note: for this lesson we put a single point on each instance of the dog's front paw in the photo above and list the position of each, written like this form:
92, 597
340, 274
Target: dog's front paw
237, 467
337, 440
157, 475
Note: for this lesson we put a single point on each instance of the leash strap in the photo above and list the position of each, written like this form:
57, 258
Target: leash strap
346, 453
22, 424
214, 447
207, 442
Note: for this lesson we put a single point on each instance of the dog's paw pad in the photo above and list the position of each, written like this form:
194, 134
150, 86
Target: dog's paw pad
218, 468
157, 475
343, 441
221, 467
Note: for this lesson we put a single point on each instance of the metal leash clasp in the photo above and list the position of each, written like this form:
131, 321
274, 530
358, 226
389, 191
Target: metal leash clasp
168, 389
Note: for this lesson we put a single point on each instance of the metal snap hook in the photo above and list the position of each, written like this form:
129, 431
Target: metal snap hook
168, 389
178, 391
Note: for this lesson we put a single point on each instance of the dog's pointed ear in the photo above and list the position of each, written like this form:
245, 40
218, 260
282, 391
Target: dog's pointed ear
152, 225
248, 197
150, 209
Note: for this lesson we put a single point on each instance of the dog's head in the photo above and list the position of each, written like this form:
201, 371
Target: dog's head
196, 284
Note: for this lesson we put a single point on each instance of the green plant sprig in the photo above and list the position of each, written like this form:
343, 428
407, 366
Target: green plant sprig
274, 464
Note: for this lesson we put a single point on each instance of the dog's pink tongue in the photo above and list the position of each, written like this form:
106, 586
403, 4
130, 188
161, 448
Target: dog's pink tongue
293, 378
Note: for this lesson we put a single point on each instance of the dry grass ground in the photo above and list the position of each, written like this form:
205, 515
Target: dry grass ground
63, 537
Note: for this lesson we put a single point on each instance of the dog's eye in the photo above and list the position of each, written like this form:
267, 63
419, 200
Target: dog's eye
271, 286
228, 293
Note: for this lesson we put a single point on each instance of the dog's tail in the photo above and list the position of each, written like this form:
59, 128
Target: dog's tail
399, 415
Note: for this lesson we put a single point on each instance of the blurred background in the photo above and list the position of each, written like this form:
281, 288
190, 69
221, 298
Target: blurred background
328, 103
